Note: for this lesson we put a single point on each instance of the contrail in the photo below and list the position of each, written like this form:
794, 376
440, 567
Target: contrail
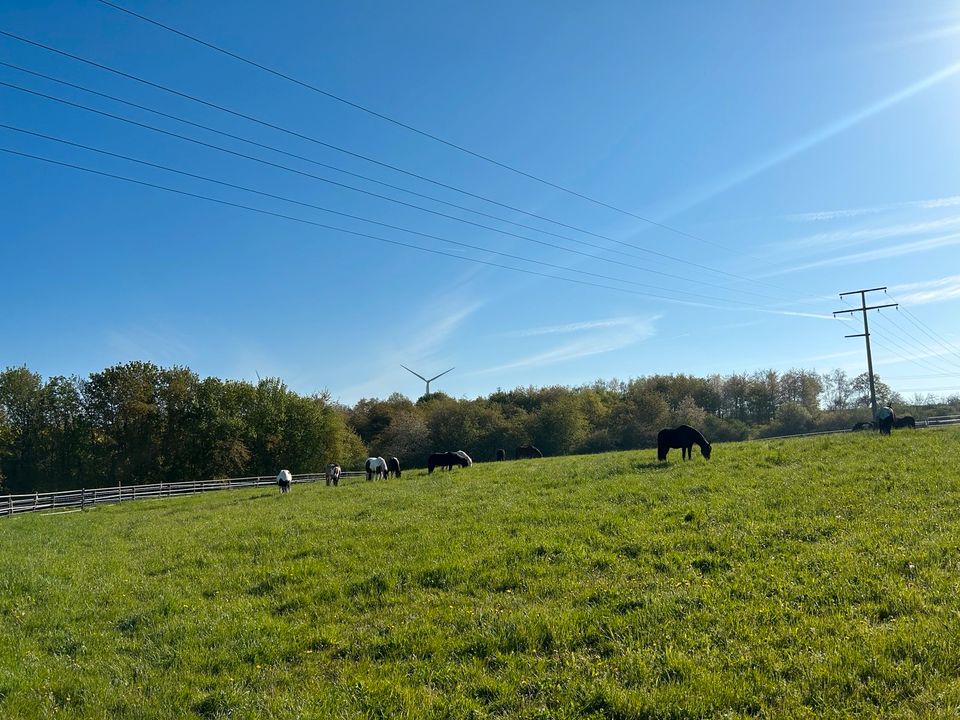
820, 135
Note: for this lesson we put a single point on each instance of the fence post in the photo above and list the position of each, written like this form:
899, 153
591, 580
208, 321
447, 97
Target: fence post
36, 499
83, 498
119, 492
10, 504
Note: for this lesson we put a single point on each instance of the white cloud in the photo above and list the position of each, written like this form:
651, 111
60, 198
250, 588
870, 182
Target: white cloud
930, 204
885, 252
805, 142
928, 291
572, 327
871, 234
600, 337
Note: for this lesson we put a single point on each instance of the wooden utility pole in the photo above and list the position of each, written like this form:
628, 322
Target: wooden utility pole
866, 334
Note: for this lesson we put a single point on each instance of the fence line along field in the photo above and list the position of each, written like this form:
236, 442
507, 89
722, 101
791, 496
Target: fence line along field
805, 578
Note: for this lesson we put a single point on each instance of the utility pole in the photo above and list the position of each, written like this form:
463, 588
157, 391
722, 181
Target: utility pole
866, 334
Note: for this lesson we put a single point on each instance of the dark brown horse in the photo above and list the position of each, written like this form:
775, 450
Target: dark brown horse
448, 460
501, 454
527, 451
393, 466
683, 437
906, 421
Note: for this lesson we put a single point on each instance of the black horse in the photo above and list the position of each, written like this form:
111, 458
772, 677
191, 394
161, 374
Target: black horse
527, 451
866, 425
393, 466
683, 437
501, 454
885, 420
906, 421
447, 460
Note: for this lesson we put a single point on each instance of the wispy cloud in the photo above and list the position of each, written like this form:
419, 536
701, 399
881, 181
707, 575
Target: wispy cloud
597, 338
426, 341
871, 234
816, 137
879, 254
950, 201
572, 327
928, 291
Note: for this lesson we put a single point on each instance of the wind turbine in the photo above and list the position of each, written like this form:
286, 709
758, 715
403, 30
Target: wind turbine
426, 380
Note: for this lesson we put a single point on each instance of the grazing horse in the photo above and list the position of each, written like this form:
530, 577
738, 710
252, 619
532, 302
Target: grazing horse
866, 425
527, 451
284, 478
906, 421
501, 454
393, 466
885, 420
448, 460
683, 437
333, 474
376, 466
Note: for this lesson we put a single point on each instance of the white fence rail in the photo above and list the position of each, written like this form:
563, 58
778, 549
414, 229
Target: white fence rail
942, 420
83, 498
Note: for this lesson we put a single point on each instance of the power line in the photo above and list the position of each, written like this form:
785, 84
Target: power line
411, 128
928, 331
313, 206
387, 198
369, 236
938, 354
357, 155
910, 357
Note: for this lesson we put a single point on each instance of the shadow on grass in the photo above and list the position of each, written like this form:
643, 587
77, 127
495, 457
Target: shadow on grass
652, 465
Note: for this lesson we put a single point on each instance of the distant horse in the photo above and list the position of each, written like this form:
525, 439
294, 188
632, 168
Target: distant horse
683, 437
284, 478
376, 466
527, 451
448, 460
393, 466
866, 425
501, 454
906, 421
333, 474
885, 420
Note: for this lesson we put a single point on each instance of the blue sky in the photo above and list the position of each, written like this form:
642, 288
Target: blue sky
808, 148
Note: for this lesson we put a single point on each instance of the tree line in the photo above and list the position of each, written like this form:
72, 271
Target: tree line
139, 423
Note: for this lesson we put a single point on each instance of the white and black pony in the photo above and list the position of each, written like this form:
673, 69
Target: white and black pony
527, 451
376, 467
393, 466
448, 460
284, 479
683, 437
333, 474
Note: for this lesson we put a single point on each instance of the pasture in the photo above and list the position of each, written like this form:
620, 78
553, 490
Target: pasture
807, 578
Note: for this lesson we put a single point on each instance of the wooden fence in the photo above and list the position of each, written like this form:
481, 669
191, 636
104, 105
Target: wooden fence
83, 498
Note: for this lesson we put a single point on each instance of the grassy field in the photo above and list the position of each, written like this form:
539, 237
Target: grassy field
816, 577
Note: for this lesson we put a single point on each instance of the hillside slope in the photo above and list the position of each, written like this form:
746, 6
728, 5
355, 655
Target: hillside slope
815, 577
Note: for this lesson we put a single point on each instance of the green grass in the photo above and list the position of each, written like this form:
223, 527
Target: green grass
808, 578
